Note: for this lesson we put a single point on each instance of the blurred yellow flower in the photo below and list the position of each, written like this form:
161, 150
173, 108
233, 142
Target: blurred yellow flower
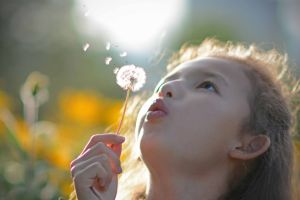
5, 100
44, 140
62, 179
23, 134
60, 156
5, 103
89, 108
66, 187
64, 143
2, 128
84, 107
113, 112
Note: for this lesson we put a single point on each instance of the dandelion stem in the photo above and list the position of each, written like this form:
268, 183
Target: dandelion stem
123, 114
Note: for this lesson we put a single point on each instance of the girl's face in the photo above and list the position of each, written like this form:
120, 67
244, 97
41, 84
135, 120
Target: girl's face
206, 101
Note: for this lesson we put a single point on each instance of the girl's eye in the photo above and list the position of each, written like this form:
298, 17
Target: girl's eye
208, 85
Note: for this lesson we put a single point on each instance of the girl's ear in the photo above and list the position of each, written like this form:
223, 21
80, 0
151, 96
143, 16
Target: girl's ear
251, 147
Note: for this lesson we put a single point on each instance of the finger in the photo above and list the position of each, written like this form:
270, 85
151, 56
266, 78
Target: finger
106, 181
99, 188
105, 138
103, 160
98, 149
85, 177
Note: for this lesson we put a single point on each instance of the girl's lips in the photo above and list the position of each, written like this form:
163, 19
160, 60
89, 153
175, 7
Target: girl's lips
156, 110
151, 115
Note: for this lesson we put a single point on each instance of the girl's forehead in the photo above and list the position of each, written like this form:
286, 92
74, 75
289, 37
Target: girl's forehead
207, 64
228, 71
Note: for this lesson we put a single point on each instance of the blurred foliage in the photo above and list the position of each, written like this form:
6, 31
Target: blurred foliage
35, 157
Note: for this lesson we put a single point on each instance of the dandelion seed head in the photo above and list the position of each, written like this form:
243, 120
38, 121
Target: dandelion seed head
86, 46
123, 54
131, 77
108, 60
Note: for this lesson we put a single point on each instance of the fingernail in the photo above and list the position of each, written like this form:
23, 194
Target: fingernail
122, 138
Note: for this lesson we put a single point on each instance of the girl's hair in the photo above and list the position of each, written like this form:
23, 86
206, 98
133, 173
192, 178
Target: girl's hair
270, 175
274, 104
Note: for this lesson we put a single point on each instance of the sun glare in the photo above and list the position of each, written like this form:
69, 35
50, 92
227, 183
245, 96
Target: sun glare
133, 23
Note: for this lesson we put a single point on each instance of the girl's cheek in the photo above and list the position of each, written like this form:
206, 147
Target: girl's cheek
141, 116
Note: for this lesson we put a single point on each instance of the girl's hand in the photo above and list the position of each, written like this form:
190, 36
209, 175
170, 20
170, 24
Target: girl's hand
95, 170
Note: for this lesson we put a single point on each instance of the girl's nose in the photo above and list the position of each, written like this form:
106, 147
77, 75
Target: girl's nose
168, 94
168, 90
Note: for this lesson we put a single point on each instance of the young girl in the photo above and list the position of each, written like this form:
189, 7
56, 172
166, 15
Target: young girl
217, 127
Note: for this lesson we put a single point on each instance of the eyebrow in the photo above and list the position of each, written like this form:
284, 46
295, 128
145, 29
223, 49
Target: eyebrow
205, 73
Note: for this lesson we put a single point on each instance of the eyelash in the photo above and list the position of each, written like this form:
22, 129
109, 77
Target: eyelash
213, 85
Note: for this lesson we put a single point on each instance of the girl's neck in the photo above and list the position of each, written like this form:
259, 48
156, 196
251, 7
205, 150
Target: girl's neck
177, 186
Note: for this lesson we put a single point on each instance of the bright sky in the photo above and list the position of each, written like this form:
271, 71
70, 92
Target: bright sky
135, 24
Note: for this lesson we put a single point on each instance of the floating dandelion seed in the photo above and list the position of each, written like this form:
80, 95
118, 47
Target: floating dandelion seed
108, 60
116, 70
123, 54
86, 46
130, 78
107, 46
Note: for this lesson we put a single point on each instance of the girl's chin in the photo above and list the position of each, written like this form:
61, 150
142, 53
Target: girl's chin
152, 123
